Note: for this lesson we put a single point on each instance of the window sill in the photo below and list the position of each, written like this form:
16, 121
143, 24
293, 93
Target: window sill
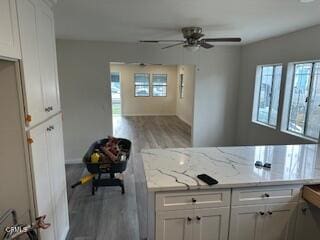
264, 125
300, 136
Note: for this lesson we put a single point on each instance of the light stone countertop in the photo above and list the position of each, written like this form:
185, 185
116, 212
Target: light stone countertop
177, 168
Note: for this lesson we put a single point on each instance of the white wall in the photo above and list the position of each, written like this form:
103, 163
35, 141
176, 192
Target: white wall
133, 106
298, 46
185, 104
85, 89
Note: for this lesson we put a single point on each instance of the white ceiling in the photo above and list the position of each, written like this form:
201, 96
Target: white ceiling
133, 20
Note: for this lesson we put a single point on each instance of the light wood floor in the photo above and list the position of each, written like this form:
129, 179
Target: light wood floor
109, 214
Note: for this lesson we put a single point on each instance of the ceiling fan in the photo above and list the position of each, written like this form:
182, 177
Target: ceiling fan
193, 39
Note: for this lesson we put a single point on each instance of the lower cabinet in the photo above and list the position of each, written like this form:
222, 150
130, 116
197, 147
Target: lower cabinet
47, 156
262, 222
308, 222
197, 224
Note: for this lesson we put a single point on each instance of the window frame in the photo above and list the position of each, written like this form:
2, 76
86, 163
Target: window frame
141, 85
287, 112
158, 85
257, 94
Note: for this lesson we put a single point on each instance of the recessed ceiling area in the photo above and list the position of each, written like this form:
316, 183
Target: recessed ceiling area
134, 20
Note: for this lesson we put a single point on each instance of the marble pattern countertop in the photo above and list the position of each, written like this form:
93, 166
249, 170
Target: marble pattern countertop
177, 168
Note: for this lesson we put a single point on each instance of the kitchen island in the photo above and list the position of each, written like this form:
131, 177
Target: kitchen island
249, 202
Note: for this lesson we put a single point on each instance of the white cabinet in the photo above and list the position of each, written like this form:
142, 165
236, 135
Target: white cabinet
174, 225
9, 35
49, 176
246, 223
48, 59
42, 181
199, 224
211, 224
39, 65
267, 222
192, 215
34, 97
308, 222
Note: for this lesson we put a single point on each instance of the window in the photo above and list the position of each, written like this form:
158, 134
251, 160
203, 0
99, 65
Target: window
141, 85
181, 86
159, 85
304, 105
267, 92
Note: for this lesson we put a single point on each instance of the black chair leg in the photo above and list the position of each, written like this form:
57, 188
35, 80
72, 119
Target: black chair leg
122, 188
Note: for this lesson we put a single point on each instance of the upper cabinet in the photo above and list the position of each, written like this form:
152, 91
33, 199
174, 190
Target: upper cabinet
48, 58
9, 36
40, 78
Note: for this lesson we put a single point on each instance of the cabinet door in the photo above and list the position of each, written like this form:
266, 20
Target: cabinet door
48, 59
308, 222
211, 224
246, 222
58, 180
34, 97
9, 35
174, 225
42, 181
277, 221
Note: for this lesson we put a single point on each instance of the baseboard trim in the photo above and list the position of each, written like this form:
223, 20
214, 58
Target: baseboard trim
190, 125
73, 161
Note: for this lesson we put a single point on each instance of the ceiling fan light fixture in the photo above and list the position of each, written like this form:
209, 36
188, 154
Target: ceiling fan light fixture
192, 48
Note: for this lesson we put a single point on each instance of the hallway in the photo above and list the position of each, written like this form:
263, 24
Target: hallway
109, 213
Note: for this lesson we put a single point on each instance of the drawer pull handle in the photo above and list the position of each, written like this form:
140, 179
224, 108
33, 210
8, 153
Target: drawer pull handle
198, 218
189, 219
194, 200
269, 212
266, 195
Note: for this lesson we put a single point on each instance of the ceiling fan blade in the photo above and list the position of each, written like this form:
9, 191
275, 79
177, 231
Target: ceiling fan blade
158, 41
173, 45
221, 39
206, 45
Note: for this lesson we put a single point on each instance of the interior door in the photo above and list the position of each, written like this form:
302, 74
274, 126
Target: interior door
57, 171
277, 221
47, 56
174, 225
246, 222
34, 96
211, 224
42, 181
9, 35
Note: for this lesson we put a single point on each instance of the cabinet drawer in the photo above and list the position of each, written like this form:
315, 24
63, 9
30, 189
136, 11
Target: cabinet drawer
312, 194
262, 195
192, 199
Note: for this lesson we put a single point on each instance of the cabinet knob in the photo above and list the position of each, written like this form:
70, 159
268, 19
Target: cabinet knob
47, 109
261, 213
49, 129
198, 218
29, 140
194, 200
269, 212
189, 219
266, 195
50, 108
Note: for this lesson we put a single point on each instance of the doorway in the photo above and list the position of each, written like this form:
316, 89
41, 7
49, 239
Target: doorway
116, 94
